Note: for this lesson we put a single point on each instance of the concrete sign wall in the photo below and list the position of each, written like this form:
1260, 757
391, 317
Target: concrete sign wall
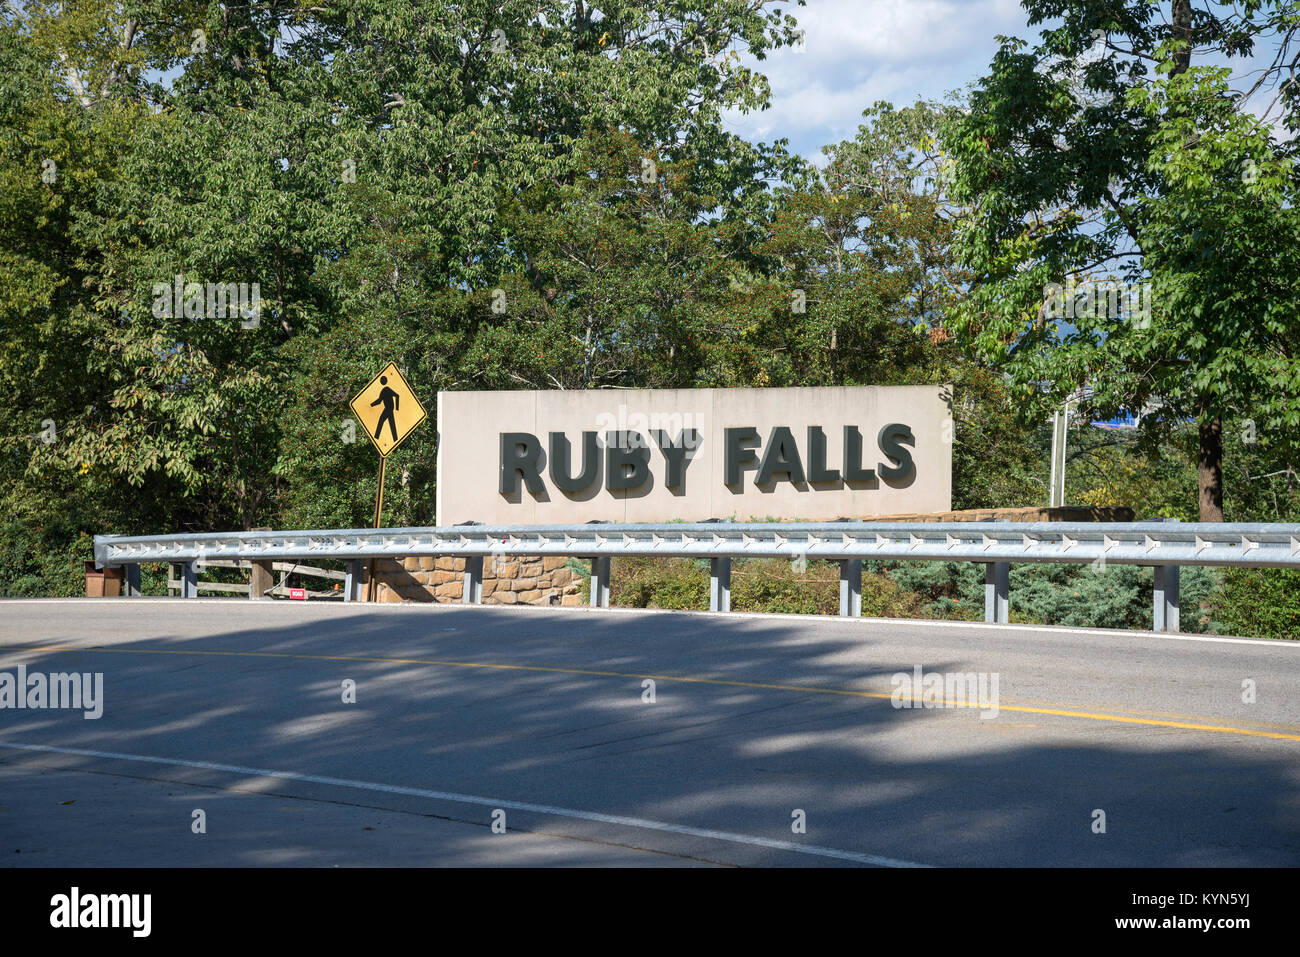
552, 458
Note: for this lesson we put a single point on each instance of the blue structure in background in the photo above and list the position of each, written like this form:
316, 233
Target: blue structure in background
1123, 422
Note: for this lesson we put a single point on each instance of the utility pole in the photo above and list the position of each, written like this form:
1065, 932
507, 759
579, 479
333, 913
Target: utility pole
1060, 428
1060, 425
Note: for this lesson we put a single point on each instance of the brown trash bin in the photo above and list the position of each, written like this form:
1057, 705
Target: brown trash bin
103, 582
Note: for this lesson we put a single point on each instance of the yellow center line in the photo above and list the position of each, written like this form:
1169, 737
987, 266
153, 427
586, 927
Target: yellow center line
804, 689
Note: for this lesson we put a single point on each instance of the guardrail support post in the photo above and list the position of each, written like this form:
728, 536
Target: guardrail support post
261, 578
189, 580
352, 583
997, 592
131, 581
471, 592
600, 582
851, 587
719, 584
1165, 594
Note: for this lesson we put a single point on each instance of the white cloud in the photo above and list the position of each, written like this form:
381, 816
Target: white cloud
892, 30
859, 51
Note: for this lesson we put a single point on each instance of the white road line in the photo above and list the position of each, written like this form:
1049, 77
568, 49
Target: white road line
482, 801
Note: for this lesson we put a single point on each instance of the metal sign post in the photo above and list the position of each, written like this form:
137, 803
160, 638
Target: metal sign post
1060, 432
379, 511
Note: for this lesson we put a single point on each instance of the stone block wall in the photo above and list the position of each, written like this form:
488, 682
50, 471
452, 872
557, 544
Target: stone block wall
521, 580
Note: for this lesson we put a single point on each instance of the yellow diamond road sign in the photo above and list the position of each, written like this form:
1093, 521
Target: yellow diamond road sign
388, 409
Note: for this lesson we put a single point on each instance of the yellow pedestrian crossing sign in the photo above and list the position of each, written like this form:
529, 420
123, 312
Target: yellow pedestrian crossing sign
388, 409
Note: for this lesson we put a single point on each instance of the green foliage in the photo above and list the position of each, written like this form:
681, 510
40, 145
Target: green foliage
854, 268
947, 589
757, 585
47, 532
883, 597
619, 278
1110, 468
1262, 603
1265, 479
359, 162
1110, 596
1192, 193
536, 195
40, 561
996, 462
1082, 595
677, 583
773, 585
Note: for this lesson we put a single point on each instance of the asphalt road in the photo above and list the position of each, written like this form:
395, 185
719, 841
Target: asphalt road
539, 720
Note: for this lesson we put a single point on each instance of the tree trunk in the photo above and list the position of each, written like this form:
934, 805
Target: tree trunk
1182, 29
1210, 459
1210, 468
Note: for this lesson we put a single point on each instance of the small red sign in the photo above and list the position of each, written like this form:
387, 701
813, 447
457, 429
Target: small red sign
299, 593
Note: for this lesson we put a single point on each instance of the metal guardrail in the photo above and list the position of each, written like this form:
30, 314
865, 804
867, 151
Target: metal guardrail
1163, 545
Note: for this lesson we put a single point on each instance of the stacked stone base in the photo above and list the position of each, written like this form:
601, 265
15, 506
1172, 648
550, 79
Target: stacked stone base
513, 581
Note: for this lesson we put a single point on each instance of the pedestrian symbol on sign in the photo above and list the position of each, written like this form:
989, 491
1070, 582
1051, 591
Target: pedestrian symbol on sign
391, 401
388, 409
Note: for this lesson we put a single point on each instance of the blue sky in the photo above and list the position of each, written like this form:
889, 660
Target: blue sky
859, 51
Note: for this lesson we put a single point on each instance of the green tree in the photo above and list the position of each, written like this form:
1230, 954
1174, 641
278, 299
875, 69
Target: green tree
854, 269
1104, 154
497, 146
618, 278
350, 159
854, 282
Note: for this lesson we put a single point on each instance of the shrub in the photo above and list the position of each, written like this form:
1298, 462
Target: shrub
776, 585
1110, 596
1116, 596
1260, 603
43, 561
953, 590
770, 585
676, 583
